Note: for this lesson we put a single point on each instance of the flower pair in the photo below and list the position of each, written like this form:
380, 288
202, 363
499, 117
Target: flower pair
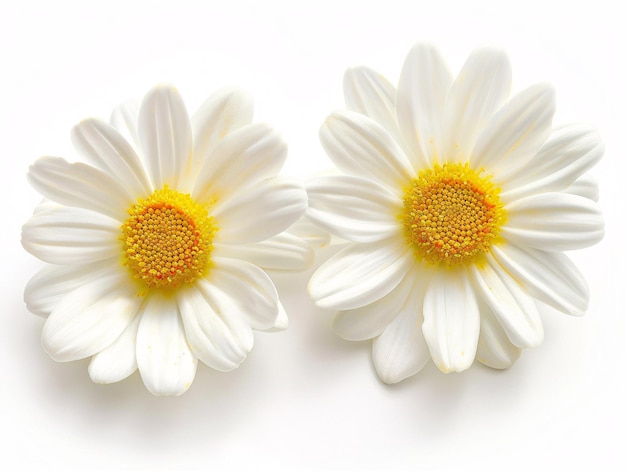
455, 203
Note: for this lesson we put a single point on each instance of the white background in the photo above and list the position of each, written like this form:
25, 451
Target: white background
304, 399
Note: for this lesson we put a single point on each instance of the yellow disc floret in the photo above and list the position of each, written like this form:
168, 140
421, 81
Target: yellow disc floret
168, 239
452, 215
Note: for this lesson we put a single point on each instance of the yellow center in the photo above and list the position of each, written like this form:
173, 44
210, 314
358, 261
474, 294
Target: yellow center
168, 239
452, 215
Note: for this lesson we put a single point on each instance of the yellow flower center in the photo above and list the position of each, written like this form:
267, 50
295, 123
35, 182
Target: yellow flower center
452, 215
168, 239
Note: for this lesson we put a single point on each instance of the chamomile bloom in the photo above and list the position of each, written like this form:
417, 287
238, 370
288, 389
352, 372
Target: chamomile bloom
457, 202
157, 246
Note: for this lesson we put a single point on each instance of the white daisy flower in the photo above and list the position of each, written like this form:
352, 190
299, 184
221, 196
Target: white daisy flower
457, 202
158, 244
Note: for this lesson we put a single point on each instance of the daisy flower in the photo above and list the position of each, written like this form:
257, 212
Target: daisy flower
157, 246
457, 202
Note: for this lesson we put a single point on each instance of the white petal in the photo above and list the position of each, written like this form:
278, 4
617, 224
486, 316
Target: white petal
91, 317
424, 85
102, 145
47, 288
482, 86
124, 119
71, 236
165, 361
369, 321
554, 222
515, 133
360, 274
222, 113
353, 208
401, 351
549, 277
260, 211
369, 93
569, 152
218, 336
494, 347
165, 138
119, 360
586, 186
282, 252
451, 321
244, 157
513, 308
79, 185
311, 233
360, 146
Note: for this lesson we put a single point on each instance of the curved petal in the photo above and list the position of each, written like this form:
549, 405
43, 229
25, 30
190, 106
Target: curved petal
79, 185
481, 88
166, 363
217, 335
569, 152
549, 277
91, 317
71, 236
554, 222
586, 186
124, 119
244, 157
369, 321
119, 360
360, 146
494, 347
401, 351
369, 93
353, 208
281, 252
424, 84
515, 133
165, 138
515, 310
360, 274
451, 321
108, 150
260, 211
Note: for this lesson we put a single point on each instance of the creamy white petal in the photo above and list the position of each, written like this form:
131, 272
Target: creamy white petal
281, 252
569, 152
360, 274
165, 139
79, 185
222, 113
71, 236
282, 321
481, 88
360, 146
46, 289
514, 309
215, 331
353, 208
451, 320
554, 222
250, 291
260, 211
515, 133
91, 317
311, 233
165, 361
244, 157
124, 119
119, 360
548, 276
369, 321
586, 186
424, 84
369, 93
494, 347
401, 351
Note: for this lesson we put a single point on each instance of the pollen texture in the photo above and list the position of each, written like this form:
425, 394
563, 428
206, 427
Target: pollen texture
452, 215
168, 239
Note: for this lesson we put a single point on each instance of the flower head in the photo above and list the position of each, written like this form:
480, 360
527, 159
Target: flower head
158, 245
457, 202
